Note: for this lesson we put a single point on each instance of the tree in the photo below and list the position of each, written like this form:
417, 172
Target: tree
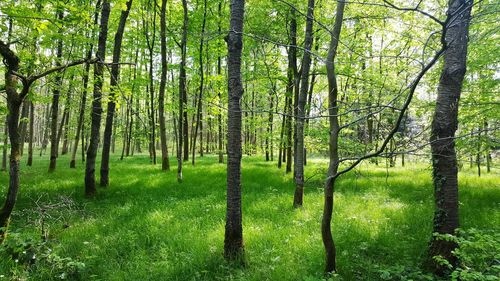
299, 126
444, 125
14, 100
115, 77
182, 135
333, 111
90, 188
233, 237
54, 142
165, 165
199, 110
83, 102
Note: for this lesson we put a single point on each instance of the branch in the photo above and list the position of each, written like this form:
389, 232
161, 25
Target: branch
416, 9
395, 129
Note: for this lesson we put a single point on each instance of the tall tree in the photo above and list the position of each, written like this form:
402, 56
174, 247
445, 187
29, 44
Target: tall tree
183, 90
90, 188
444, 125
219, 94
165, 165
306, 63
115, 76
333, 110
182, 135
233, 237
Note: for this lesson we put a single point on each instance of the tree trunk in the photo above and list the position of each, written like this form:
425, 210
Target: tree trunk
444, 125
200, 90
269, 136
5, 144
115, 77
306, 63
90, 187
23, 126
65, 120
326, 231
219, 94
165, 165
233, 237
54, 144
81, 114
182, 135
31, 133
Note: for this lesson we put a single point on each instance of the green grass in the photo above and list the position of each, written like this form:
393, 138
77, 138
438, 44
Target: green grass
146, 226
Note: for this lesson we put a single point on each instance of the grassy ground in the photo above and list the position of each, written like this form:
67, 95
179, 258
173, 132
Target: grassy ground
146, 226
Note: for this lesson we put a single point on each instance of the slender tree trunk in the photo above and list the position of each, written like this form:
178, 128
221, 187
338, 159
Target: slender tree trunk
54, 144
200, 90
115, 77
65, 120
23, 126
165, 165
281, 149
31, 133
182, 136
233, 237
219, 94
5, 144
81, 114
326, 231
90, 186
306, 63
269, 136
444, 125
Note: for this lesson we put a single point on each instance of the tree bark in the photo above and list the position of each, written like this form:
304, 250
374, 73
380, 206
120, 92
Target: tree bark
444, 125
306, 63
115, 77
182, 135
90, 186
233, 237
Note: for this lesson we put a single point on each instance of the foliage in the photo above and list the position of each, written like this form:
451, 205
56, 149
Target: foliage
26, 255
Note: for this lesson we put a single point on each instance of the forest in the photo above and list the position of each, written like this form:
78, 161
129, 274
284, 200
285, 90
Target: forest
250, 140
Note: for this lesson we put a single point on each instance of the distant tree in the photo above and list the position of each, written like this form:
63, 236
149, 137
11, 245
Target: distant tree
54, 141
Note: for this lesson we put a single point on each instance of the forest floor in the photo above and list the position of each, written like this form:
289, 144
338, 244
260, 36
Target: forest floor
146, 226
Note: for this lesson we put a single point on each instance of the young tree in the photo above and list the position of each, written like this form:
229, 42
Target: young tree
233, 237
